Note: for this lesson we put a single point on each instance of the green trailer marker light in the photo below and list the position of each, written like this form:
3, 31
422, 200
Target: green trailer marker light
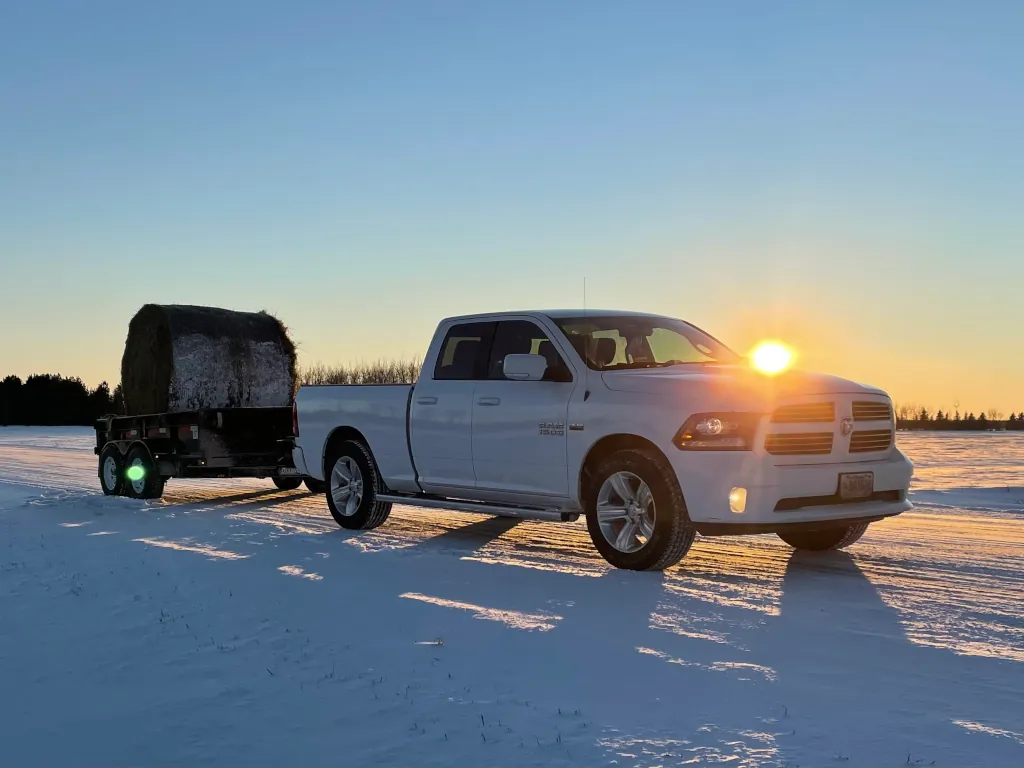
135, 473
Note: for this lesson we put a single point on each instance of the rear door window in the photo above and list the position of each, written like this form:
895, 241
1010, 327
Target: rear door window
463, 354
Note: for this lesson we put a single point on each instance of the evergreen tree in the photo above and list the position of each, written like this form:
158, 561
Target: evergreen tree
50, 400
10, 400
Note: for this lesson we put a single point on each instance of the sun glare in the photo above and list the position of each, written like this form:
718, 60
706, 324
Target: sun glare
771, 357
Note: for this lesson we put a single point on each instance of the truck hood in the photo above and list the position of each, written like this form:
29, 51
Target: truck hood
736, 380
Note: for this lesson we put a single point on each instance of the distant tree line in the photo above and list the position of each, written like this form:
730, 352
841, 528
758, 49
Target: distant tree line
53, 400
920, 417
377, 372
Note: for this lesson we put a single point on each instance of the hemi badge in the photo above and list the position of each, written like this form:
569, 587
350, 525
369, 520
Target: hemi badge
575, 427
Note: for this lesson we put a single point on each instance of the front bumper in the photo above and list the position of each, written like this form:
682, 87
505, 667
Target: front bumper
785, 496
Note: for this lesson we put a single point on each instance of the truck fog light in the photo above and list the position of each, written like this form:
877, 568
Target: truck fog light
738, 500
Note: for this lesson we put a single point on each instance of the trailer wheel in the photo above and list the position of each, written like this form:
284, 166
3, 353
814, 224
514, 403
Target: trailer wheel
315, 486
287, 483
111, 471
142, 477
352, 487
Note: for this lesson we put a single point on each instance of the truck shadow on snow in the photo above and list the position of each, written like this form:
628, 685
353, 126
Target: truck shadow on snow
849, 673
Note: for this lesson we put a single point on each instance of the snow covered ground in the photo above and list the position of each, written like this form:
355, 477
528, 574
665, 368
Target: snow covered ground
232, 623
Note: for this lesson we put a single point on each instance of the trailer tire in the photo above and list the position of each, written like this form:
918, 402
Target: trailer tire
352, 487
315, 486
111, 470
151, 484
287, 483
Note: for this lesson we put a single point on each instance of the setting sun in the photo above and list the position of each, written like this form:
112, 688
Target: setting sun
771, 357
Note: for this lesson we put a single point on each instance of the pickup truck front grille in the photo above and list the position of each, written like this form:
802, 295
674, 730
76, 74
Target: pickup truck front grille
805, 413
799, 444
870, 440
871, 411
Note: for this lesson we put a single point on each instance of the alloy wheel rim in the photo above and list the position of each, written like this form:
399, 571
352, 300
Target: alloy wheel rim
347, 486
625, 512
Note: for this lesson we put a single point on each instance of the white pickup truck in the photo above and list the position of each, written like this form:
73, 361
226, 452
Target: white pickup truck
651, 428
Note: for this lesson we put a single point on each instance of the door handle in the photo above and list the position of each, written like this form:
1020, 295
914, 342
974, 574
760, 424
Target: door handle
488, 400
426, 401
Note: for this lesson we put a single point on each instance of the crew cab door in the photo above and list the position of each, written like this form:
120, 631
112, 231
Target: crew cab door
519, 427
440, 421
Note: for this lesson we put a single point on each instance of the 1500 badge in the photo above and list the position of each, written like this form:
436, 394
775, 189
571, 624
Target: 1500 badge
552, 428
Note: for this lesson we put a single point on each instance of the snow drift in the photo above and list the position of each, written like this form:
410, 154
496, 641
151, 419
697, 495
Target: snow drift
181, 358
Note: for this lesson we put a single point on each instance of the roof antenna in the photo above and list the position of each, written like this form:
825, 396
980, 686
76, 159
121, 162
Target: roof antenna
586, 351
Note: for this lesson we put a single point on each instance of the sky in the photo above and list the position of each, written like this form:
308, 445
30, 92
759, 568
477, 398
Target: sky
845, 177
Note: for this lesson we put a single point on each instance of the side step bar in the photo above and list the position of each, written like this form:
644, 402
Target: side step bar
439, 502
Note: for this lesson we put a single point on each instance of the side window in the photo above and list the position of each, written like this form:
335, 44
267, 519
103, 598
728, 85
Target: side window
463, 351
521, 337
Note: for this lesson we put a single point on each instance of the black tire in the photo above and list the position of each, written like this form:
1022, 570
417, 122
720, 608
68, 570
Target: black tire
367, 513
673, 533
315, 486
151, 485
825, 539
112, 481
287, 483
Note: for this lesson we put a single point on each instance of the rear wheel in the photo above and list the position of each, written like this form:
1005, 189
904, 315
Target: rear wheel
352, 487
826, 539
142, 477
287, 483
315, 486
636, 514
111, 471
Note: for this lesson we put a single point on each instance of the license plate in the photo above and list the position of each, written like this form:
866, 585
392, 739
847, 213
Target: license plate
287, 472
856, 485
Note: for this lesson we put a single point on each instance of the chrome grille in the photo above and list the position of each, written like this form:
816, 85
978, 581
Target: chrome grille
869, 440
799, 444
871, 411
805, 413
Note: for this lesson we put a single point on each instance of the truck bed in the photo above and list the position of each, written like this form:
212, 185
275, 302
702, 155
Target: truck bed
379, 410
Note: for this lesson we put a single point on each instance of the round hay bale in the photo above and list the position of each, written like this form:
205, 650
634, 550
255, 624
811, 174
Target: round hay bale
183, 358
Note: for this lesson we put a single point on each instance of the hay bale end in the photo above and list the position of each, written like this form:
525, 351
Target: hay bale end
183, 358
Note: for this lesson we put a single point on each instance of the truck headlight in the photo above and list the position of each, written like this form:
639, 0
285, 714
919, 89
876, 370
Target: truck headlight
718, 432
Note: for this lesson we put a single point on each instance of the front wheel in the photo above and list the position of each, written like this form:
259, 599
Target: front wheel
636, 514
826, 539
352, 487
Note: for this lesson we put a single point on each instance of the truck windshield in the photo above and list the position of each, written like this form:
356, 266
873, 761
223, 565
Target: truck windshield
622, 342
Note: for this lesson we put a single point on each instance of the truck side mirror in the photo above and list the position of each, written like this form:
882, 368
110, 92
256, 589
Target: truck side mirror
524, 367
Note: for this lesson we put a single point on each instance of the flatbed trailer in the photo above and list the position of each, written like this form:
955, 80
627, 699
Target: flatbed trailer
138, 454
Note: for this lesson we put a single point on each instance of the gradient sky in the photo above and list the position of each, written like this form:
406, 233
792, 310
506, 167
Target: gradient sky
848, 176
